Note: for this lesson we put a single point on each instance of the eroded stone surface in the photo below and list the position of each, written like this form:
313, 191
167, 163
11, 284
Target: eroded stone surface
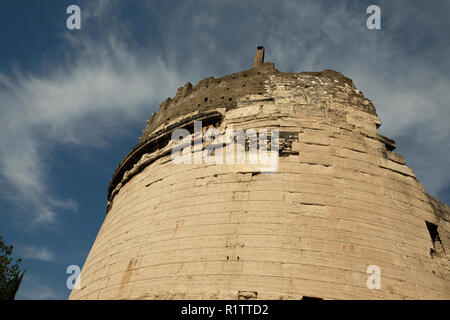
342, 200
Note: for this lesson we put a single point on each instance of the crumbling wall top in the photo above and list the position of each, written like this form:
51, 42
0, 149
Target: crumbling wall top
224, 92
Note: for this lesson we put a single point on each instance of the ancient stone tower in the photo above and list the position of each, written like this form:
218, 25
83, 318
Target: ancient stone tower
341, 203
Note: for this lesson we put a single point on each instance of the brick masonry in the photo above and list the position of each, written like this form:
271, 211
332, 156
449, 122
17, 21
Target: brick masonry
341, 200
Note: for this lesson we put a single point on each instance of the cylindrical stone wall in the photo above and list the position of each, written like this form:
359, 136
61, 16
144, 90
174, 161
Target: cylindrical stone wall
341, 201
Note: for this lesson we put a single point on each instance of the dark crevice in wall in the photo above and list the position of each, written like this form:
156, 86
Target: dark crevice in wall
438, 248
247, 295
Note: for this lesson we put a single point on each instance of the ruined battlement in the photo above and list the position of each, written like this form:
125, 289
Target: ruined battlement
225, 91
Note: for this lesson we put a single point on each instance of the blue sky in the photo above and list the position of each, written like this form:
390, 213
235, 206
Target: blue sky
73, 103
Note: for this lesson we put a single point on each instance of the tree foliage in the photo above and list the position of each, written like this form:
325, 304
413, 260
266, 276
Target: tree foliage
10, 274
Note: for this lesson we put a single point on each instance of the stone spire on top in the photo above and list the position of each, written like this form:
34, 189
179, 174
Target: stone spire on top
259, 57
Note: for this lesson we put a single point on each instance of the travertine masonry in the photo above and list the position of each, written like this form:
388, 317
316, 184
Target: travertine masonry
342, 200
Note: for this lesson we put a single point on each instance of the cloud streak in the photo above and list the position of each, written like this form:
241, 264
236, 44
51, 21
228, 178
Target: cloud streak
81, 102
35, 288
43, 254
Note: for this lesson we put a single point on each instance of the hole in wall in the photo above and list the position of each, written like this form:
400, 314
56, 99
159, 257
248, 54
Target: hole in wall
438, 248
247, 295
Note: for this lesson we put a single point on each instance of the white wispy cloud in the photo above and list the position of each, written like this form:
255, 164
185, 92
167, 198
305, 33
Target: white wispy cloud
35, 288
42, 253
83, 101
